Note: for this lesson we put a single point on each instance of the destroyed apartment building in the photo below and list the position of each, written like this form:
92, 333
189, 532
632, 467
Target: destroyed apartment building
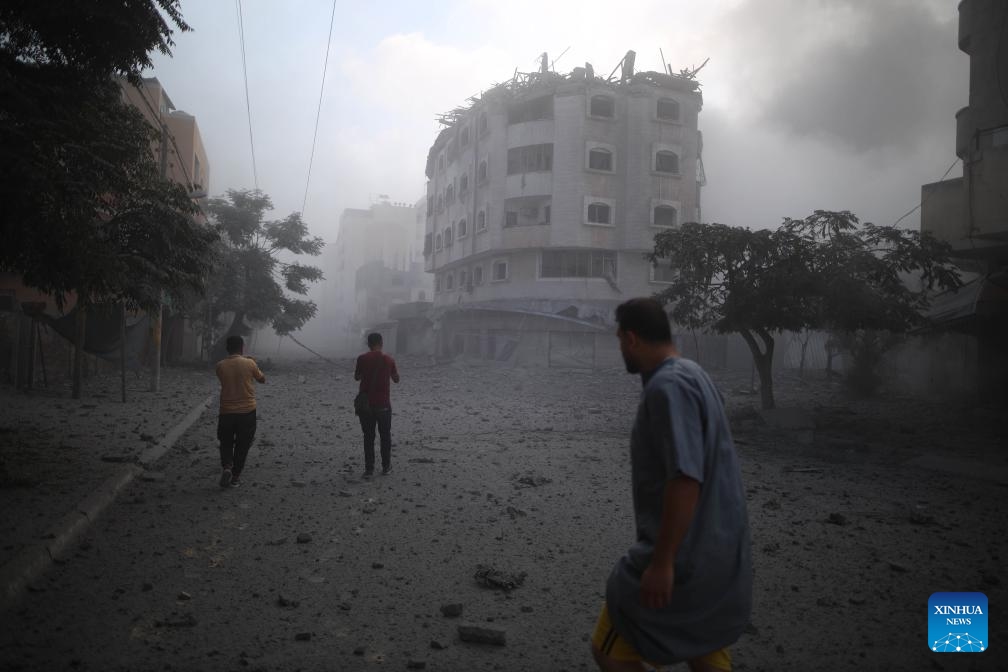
544, 194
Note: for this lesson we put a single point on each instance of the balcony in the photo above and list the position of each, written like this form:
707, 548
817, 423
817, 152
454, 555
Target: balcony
529, 184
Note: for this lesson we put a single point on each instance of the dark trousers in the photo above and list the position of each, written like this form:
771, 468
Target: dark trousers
235, 432
382, 419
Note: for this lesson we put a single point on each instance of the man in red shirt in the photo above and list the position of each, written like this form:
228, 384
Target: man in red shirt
374, 370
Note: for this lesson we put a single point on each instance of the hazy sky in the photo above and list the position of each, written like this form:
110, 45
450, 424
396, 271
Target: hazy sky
807, 104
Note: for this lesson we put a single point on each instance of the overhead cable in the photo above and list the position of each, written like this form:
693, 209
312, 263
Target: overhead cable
318, 113
248, 106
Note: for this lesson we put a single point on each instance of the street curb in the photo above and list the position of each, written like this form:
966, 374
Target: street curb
35, 559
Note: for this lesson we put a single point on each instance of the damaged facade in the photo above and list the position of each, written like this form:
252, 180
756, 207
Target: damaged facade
970, 212
543, 197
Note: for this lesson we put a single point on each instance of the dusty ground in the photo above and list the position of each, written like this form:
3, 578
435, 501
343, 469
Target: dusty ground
525, 470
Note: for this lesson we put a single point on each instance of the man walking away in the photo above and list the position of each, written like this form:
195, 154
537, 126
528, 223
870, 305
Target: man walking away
236, 424
374, 370
683, 592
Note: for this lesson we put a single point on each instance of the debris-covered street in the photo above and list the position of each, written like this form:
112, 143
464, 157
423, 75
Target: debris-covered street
507, 505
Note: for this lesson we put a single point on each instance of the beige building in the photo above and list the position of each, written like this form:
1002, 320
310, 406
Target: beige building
543, 197
185, 162
971, 212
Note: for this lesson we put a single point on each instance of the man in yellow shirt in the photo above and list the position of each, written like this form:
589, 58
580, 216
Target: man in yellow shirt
236, 424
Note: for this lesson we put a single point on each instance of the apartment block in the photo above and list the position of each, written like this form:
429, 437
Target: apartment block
543, 196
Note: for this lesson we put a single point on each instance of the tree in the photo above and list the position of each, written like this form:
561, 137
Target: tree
85, 209
733, 280
251, 278
865, 300
822, 272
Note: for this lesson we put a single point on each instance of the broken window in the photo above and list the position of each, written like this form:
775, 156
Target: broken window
531, 110
463, 183
440, 203
547, 211
665, 215
667, 162
603, 106
437, 242
450, 194
448, 237
511, 218
449, 281
600, 159
462, 228
530, 158
481, 221
478, 275
428, 244
577, 264
668, 109
598, 213
481, 176
500, 270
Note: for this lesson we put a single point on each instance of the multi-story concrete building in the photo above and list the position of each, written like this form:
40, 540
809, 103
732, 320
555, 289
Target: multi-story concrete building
971, 212
543, 197
375, 263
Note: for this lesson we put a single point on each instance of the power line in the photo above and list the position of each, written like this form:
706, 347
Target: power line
248, 106
318, 113
924, 200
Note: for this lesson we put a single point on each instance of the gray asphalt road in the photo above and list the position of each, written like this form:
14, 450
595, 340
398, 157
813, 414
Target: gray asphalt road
307, 567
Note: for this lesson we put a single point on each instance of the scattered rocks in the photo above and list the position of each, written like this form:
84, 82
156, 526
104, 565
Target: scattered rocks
836, 519
176, 621
498, 579
416, 665
897, 567
359, 651
302, 637
286, 602
183, 596
147, 587
377, 565
153, 476
480, 635
452, 610
304, 538
438, 645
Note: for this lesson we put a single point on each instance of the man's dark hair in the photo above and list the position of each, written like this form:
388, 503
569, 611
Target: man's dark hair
645, 317
234, 344
373, 339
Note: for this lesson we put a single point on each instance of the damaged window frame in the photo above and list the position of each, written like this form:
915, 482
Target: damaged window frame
438, 243
448, 237
576, 264
597, 207
595, 112
478, 275
462, 227
497, 277
481, 221
536, 108
483, 172
600, 151
661, 154
668, 109
536, 158
665, 207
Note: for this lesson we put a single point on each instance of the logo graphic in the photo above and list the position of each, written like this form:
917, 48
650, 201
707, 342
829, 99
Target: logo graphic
957, 623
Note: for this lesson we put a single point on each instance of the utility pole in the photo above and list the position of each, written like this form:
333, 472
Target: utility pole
159, 311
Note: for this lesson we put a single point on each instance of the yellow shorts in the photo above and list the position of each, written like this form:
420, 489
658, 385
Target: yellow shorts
607, 640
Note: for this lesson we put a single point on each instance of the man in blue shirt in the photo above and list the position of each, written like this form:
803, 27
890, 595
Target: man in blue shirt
683, 591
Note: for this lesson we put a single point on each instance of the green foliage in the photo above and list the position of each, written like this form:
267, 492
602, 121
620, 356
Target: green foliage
251, 278
827, 271
85, 209
94, 39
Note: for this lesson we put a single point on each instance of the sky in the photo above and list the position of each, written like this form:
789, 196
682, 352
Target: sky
808, 104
